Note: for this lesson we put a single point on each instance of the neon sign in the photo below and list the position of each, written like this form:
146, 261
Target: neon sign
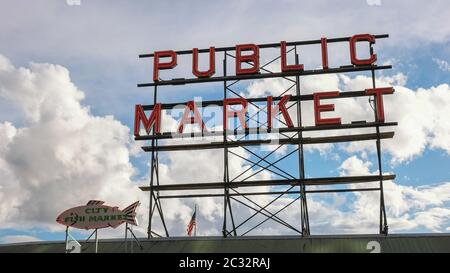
192, 115
244, 62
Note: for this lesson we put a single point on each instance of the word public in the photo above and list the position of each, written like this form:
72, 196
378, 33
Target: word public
253, 57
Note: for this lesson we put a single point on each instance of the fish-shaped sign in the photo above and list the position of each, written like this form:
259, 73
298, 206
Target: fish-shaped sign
96, 215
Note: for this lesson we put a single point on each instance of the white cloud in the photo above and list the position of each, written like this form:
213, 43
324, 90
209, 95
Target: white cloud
373, 2
353, 166
63, 155
420, 113
200, 167
18, 239
443, 65
408, 208
238, 21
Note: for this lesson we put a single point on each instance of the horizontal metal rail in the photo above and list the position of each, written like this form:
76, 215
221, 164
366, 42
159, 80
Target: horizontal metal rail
271, 45
342, 69
294, 99
280, 182
234, 144
249, 131
265, 193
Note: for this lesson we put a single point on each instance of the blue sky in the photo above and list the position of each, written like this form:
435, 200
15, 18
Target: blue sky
98, 43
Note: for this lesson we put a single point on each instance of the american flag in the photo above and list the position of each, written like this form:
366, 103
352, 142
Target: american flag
192, 224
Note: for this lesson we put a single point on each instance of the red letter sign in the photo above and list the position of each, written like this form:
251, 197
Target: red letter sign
318, 108
191, 107
212, 63
378, 93
155, 119
253, 58
284, 66
281, 106
157, 65
324, 46
234, 113
361, 37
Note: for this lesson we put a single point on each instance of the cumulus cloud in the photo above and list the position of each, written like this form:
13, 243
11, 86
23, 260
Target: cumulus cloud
443, 65
62, 155
200, 167
420, 113
239, 22
18, 239
408, 208
373, 2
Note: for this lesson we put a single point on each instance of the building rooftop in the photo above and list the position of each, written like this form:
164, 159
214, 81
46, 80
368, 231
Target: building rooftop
411, 243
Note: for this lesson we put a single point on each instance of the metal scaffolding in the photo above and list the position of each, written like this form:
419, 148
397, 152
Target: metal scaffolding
296, 187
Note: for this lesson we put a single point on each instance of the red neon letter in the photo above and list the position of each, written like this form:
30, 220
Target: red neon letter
159, 66
154, 120
361, 37
253, 58
281, 106
191, 107
324, 45
284, 66
318, 108
234, 113
212, 63
378, 93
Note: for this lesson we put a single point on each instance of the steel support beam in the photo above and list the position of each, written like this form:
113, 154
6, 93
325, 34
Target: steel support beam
266, 193
280, 182
306, 140
271, 45
259, 131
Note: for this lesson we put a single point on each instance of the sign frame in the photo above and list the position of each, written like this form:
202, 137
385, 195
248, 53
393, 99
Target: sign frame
297, 187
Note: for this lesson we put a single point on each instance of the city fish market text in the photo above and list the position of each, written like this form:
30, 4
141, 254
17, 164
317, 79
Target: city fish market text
95, 215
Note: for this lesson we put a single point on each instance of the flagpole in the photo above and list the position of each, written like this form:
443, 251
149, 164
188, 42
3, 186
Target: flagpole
195, 227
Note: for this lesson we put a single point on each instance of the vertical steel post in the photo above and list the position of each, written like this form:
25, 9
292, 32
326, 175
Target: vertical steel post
226, 175
383, 219
157, 199
225, 153
301, 162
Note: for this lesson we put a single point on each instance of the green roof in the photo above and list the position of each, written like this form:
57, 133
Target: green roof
267, 244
